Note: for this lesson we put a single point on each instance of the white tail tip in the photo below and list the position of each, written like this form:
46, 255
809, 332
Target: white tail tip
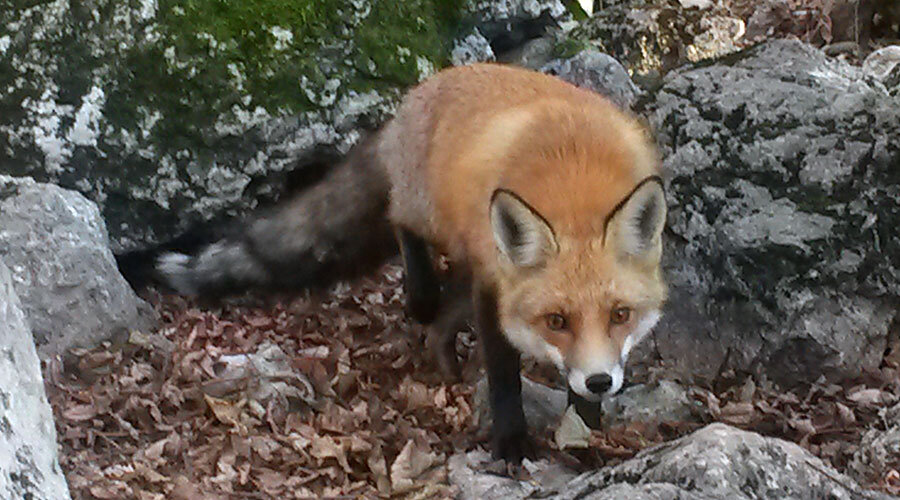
176, 270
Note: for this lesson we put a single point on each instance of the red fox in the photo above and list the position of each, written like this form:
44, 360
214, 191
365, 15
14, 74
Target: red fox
544, 193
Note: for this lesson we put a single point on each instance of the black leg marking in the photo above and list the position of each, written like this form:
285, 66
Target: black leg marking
423, 290
510, 433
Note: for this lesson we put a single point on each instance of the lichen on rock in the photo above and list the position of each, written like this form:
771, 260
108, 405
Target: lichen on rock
782, 181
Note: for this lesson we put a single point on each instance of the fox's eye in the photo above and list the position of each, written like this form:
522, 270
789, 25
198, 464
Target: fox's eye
620, 315
556, 322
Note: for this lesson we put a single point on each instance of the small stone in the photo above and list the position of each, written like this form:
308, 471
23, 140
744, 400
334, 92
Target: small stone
572, 431
543, 405
881, 63
273, 379
666, 401
594, 70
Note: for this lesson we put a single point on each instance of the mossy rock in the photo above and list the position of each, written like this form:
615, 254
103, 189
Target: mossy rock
172, 113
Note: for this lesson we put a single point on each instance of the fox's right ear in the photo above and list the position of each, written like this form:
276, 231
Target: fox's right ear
521, 234
635, 226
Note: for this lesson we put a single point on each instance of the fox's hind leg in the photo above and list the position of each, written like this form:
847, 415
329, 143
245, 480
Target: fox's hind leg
454, 315
423, 289
443, 305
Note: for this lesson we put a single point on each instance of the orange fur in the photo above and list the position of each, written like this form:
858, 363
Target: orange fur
567, 152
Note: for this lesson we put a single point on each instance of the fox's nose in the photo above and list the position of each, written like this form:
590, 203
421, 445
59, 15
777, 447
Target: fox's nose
599, 384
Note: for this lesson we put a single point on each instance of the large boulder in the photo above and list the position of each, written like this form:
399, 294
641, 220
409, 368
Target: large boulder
55, 243
171, 115
29, 467
782, 245
717, 462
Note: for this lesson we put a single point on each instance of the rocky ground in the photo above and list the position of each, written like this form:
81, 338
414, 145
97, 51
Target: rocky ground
339, 398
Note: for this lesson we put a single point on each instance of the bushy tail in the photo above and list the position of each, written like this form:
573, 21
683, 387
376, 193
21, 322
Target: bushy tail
329, 231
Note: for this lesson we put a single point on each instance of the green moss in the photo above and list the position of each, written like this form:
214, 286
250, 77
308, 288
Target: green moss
262, 48
396, 34
569, 47
281, 55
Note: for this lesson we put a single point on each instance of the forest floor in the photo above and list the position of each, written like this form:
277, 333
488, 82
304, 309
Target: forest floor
360, 409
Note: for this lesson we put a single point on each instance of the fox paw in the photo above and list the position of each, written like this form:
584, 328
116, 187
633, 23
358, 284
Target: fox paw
512, 447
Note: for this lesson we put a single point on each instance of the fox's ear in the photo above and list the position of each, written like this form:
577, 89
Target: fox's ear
635, 226
521, 234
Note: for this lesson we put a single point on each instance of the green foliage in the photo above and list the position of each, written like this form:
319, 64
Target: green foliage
576, 10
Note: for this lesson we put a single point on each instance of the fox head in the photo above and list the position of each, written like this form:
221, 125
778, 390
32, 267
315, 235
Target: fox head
581, 301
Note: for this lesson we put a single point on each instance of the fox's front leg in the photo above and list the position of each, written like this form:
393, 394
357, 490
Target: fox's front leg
509, 433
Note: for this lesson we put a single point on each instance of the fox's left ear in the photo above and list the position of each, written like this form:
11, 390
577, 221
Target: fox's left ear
635, 226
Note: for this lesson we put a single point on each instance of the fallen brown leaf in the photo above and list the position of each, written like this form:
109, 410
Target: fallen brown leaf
225, 411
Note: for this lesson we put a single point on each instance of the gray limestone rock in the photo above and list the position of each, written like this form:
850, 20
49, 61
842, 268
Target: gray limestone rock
468, 472
665, 401
783, 187
56, 246
533, 54
599, 72
510, 23
717, 462
881, 64
168, 116
29, 468
473, 48
884, 66
544, 406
